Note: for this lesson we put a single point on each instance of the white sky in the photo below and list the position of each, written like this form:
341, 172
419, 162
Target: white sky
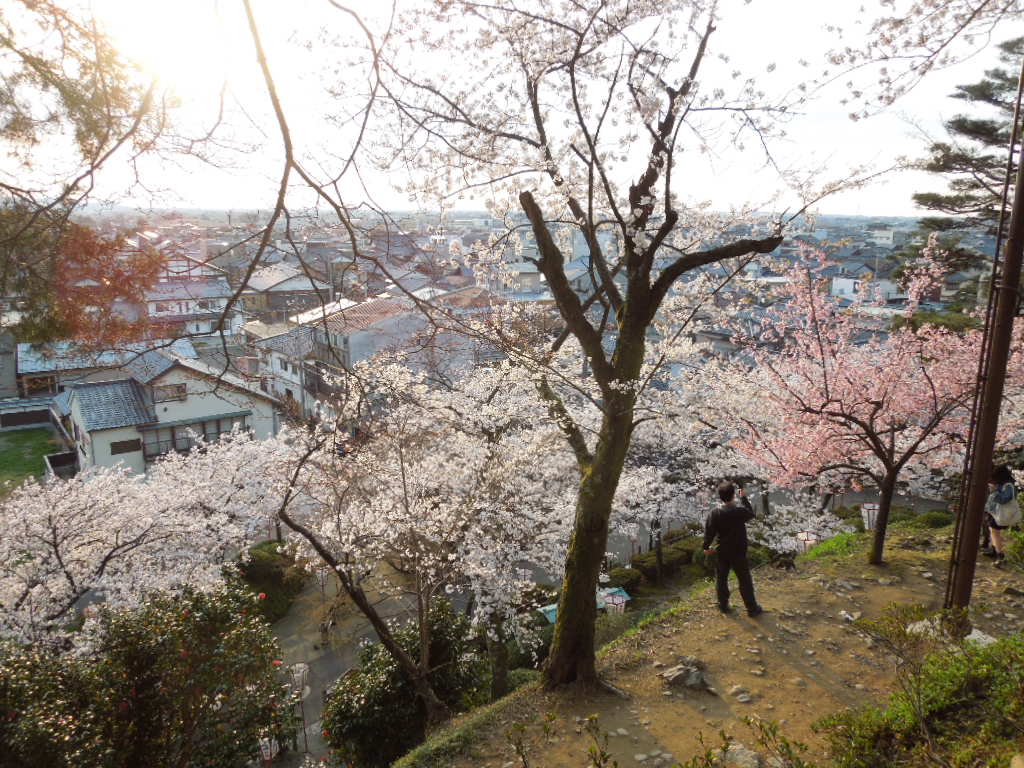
196, 45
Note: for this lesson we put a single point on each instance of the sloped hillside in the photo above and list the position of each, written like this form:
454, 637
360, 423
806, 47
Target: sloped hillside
802, 659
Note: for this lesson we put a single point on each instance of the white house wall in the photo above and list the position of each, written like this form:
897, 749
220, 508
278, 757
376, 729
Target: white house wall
207, 400
83, 443
101, 456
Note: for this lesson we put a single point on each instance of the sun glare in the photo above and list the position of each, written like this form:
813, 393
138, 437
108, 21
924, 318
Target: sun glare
192, 47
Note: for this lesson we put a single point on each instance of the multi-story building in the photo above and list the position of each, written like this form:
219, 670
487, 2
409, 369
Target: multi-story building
48, 369
160, 403
192, 307
278, 290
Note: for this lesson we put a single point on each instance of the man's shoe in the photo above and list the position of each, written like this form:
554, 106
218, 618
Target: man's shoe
724, 609
756, 611
989, 552
1000, 558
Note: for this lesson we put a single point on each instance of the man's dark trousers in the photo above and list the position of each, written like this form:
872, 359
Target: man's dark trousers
737, 563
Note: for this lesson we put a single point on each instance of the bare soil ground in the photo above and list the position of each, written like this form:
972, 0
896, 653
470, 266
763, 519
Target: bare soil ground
800, 660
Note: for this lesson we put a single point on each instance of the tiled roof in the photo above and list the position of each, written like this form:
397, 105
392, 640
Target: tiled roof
366, 315
179, 290
474, 297
354, 317
521, 267
321, 312
112, 404
62, 402
260, 330
63, 355
267, 278
219, 373
298, 342
148, 366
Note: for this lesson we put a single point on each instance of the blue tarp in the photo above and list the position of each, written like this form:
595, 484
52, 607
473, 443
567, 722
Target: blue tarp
551, 611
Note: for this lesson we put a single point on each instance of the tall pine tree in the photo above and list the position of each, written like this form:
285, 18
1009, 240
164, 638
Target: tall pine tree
973, 159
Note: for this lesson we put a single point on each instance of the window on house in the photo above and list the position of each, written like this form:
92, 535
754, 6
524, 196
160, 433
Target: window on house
183, 438
161, 394
162, 306
125, 446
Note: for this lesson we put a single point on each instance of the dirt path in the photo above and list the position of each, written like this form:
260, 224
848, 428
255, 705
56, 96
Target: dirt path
800, 660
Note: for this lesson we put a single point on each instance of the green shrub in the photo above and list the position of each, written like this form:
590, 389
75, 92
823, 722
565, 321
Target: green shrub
691, 573
681, 550
274, 574
610, 625
372, 715
520, 657
627, 578
647, 564
706, 563
1014, 539
675, 554
934, 518
758, 555
971, 705
899, 513
675, 535
689, 531
186, 679
517, 678
851, 515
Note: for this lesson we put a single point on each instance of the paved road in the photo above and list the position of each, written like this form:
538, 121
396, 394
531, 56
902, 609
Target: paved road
299, 635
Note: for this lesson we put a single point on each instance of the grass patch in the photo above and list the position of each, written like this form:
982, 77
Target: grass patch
841, 545
463, 731
455, 738
971, 705
21, 456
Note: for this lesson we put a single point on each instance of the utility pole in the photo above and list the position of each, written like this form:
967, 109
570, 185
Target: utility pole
656, 530
1004, 302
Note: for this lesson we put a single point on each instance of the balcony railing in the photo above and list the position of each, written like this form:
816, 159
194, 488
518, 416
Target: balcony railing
154, 448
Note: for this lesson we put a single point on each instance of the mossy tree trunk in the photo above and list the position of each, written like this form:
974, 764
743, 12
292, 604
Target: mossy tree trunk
572, 653
498, 653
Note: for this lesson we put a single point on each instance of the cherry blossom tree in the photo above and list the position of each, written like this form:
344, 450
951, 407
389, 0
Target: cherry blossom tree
904, 40
824, 400
114, 536
444, 490
576, 117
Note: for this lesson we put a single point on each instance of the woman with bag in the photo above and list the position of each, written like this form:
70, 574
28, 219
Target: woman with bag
1002, 508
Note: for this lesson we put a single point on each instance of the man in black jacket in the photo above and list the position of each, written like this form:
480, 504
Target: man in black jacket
729, 524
